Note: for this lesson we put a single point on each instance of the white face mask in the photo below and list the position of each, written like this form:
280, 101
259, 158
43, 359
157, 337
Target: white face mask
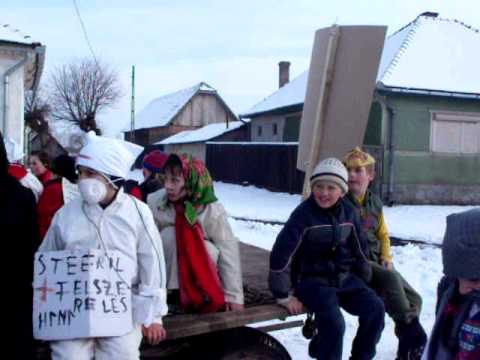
92, 190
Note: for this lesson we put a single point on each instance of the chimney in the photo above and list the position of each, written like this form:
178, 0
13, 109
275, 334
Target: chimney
283, 73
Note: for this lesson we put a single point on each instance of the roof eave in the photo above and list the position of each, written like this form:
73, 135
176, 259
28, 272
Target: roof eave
426, 92
289, 108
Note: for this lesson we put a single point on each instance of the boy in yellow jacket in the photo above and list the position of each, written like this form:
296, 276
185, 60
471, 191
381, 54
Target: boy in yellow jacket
402, 302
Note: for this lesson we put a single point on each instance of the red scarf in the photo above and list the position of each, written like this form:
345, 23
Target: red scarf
200, 288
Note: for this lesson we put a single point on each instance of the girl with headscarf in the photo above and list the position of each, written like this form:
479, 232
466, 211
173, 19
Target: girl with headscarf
201, 251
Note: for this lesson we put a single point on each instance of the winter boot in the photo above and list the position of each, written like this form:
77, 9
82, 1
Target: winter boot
308, 329
411, 340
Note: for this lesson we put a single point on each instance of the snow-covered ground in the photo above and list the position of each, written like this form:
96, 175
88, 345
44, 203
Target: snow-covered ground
410, 222
421, 266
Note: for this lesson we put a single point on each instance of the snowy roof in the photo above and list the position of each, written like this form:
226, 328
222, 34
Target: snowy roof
162, 110
429, 54
432, 53
10, 34
292, 93
203, 134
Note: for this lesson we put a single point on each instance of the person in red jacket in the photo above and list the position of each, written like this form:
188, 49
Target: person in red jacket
18, 171
40, 165
53, 197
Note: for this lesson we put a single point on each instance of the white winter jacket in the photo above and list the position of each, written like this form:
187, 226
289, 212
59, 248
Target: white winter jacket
127, 226
221, 243
30, 181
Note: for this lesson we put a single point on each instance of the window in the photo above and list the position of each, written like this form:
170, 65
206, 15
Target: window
457, 133
275, 129
259, 131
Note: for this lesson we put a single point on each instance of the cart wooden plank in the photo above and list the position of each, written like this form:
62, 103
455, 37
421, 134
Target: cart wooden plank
260, 307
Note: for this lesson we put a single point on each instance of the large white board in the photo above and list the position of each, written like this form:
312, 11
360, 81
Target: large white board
82, 293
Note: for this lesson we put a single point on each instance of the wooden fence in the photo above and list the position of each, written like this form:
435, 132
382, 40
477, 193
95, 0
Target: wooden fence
267, 165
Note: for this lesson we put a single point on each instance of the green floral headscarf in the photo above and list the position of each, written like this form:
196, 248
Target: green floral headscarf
198, 184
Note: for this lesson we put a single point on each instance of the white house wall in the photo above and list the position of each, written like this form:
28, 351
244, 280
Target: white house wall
14, 126
266, 123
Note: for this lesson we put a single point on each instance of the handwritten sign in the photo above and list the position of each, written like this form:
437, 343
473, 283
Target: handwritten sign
82, 293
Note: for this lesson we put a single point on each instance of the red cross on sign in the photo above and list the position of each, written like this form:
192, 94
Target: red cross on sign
44, 290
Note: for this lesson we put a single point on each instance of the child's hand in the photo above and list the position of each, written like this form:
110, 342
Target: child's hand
154, 333
229, 306
294, 306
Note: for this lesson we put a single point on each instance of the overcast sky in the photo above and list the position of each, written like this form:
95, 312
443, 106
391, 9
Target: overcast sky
234, 46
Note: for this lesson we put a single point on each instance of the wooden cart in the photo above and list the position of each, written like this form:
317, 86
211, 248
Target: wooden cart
225, 335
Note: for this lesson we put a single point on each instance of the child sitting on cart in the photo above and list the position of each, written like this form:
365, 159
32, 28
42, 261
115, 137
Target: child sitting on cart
318, 261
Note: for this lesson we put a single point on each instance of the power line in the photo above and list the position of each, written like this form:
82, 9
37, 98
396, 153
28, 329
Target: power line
84, 31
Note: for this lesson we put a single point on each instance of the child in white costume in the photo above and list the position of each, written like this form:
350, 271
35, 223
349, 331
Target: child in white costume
105, 217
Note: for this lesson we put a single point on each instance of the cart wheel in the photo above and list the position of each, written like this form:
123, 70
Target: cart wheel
234, 344
246, 343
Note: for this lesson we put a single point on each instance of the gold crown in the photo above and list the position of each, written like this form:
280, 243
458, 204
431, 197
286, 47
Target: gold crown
358, 158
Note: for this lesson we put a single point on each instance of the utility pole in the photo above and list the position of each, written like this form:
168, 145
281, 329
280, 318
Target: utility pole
132, 106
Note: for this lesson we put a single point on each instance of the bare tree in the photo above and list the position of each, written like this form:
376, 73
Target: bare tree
81, 90
36, 112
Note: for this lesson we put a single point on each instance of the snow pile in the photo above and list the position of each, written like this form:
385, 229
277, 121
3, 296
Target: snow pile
249, 202
410, 222
420, 222
8, 33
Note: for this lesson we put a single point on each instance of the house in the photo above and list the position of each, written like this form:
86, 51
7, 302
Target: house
21, 66
194, 142
425, 115
45, 142
186, 109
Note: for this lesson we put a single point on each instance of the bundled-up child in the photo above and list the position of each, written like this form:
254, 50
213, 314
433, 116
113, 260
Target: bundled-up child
318, 261
105, 217
402, 302
456, 332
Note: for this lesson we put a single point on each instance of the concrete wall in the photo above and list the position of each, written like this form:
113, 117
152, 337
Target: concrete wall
420, 175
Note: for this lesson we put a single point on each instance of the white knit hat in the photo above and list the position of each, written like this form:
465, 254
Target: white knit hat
331, 169
105, 155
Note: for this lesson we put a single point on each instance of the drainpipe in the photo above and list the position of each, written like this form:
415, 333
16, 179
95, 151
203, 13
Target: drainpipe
39, 53
9, 72
391, 153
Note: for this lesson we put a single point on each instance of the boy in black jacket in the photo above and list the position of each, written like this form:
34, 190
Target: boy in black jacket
318, 261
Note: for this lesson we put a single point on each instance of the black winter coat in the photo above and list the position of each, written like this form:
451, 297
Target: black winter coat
18, 224
327, 244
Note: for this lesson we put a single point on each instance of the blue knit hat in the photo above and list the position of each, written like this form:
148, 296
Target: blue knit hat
461, 245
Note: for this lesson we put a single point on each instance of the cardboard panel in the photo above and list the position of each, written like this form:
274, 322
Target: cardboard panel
341, 83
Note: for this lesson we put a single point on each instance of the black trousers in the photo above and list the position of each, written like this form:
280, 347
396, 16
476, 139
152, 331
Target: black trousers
355, 297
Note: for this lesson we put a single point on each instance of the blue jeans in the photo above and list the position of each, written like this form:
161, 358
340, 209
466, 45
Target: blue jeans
355, 297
